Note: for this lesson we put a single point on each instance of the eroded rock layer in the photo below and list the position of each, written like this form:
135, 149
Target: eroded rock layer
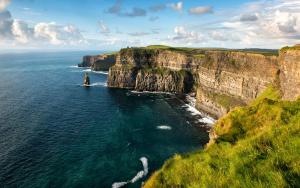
222, 79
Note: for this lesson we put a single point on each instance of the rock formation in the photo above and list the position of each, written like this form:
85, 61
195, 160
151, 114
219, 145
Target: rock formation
289, 61
222, 79
86, 81
99, 62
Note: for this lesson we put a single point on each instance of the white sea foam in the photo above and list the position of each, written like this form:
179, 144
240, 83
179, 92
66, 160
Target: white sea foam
150, 92
192, 109
137, 177
96, 84
75, 66
96, 72
119, 184
87, 70
164, 127
101, 72
207, 120
144, 161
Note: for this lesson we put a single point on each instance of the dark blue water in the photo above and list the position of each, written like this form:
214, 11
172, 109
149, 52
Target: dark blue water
55, 133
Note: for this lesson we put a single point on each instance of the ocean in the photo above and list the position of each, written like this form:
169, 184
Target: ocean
56, 133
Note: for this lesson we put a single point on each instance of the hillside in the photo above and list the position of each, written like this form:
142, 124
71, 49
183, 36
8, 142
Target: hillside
253, 146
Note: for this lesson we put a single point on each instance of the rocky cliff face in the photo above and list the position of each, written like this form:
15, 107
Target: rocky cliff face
98, 62
222, 79
150, 70
289, 61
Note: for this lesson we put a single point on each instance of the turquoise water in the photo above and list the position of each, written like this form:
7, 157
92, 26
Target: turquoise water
56, 133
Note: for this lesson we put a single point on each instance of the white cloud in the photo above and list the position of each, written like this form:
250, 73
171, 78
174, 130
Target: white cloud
201, 10
267, 23
21, 31
177, 6
4, 4
58, 35
182, 35
103, 28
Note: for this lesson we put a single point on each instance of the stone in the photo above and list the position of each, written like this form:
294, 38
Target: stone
86, 81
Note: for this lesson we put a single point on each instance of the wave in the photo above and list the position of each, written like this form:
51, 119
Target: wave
85, 69
150, 92
207, 120
164, 127
190, 107
101, 72
138, 176
75, 66
96, 84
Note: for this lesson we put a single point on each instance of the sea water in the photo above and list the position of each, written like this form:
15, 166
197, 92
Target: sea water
56, 133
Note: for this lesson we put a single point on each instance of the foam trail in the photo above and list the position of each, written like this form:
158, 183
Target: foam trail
150, 92
119, 184
164, 127
103, 84
145, 165
100, 72
87, 70
74, 66
138, 176
207, 120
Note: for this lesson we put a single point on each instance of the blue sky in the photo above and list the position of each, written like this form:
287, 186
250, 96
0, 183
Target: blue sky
112, 24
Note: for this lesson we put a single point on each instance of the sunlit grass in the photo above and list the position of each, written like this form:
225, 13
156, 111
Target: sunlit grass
257, 146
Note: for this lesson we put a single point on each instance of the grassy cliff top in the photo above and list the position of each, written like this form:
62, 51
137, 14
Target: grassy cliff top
197, 51
296, 47
257, 146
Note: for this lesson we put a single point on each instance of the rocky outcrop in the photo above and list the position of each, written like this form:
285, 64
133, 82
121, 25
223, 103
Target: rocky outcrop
122, 77
86, 80
289, 61
99, 62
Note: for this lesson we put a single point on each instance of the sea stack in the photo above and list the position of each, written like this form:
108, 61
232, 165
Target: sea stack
86, 80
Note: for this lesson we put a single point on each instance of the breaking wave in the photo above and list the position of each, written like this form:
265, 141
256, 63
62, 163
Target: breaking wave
138, 176
164, 127
96, 84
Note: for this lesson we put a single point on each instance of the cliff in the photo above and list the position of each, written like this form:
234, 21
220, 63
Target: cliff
151, 70
235, 77
99, 62
289, 60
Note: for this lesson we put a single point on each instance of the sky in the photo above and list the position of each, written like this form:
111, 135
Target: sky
114, 24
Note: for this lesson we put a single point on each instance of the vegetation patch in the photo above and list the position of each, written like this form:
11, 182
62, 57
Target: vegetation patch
286, 48
226, 101
257, 146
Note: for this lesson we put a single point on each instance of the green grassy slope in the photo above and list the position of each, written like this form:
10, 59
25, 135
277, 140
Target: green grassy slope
257, 146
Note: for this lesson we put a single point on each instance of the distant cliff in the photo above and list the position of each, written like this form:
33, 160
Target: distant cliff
99, 62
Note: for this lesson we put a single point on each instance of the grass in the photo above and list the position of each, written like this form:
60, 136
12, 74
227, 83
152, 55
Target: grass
226, 101
257, 146
284, 49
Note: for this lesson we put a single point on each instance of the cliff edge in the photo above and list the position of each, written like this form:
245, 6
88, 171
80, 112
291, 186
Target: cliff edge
222, 79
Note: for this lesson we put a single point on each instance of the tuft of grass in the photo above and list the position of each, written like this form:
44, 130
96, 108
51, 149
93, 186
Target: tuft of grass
257, 146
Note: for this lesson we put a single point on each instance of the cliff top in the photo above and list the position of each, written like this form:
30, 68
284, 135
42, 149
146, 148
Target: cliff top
199, 51
296, 47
